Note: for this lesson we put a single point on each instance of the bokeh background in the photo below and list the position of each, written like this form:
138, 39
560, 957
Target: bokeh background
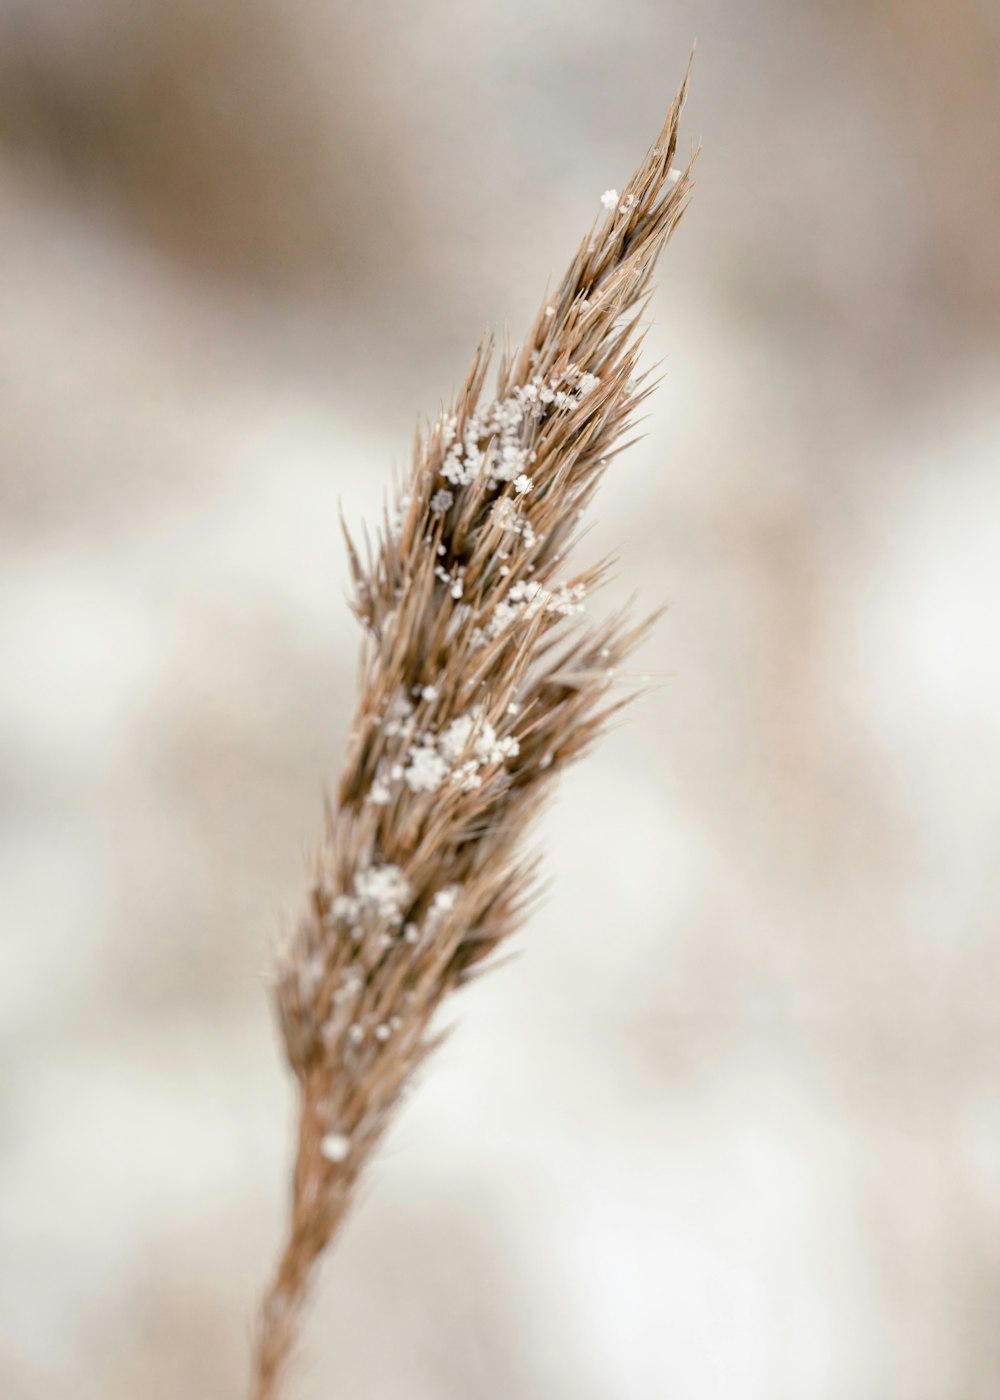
729, 1128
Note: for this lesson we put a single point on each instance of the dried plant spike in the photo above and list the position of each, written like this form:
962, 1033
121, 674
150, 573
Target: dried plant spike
480, 682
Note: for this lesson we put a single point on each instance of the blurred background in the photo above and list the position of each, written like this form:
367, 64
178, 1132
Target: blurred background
729, 1127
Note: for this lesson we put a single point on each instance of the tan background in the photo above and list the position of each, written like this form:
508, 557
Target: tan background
729, 1129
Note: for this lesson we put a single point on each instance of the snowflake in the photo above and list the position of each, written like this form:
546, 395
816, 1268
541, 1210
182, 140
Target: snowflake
609, 199
335, 1147
466, 776
379, 794
445, 899
505, 514
523, 484
453, 741
473, 730
383, 889
427, 770
531, 595
399, 711
441, 500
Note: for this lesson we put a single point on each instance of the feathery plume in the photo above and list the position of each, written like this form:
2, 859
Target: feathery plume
475, 693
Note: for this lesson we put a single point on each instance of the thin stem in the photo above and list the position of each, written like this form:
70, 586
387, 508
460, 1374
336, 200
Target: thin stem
309, 1232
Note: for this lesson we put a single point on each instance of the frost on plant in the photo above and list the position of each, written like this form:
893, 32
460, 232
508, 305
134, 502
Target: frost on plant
482, 678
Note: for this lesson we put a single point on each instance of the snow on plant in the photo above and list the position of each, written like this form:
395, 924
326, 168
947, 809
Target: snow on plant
481, 681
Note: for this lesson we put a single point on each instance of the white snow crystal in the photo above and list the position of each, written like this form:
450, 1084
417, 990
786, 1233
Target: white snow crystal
427, 770
441, 905
379, 794
384, 889
399, 711
344, 907
609, 199
445, 899
453, 740
335, 1147
466, 776
441, 500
